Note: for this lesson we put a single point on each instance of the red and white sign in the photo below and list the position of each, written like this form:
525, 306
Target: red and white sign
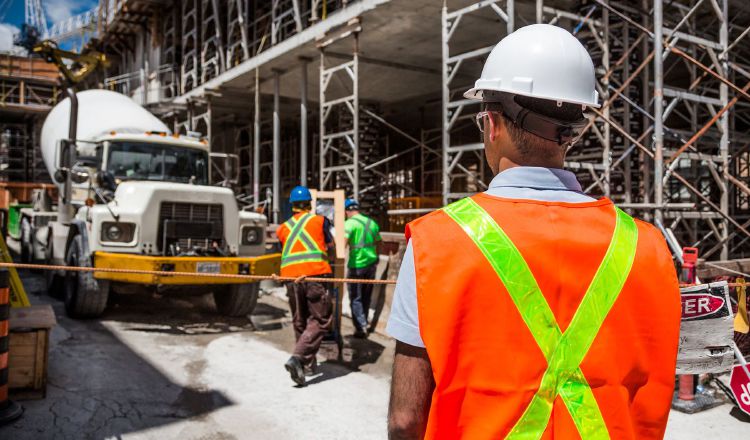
739, 382
699, 305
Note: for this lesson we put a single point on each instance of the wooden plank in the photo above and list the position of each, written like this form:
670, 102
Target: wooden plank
741, 265
40, 363
33, 317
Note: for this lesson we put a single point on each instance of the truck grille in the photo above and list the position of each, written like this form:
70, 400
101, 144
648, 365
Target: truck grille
190, 225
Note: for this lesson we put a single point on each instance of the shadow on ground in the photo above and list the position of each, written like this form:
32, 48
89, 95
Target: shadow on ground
98, 387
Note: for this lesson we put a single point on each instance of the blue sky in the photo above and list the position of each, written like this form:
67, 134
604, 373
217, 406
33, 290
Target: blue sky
12, 15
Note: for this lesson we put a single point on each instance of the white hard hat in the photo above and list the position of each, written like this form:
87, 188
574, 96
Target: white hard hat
540, 61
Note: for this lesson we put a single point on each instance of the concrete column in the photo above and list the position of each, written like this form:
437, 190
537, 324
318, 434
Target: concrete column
276, 146
303, 123
256, 143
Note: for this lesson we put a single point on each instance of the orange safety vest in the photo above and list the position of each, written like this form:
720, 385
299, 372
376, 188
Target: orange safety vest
501, 351
304, 249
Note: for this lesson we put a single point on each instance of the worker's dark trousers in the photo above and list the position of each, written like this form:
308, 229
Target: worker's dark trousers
312, 317
360, 295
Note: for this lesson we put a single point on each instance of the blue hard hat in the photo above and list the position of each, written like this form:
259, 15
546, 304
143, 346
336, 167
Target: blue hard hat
300, 194
351, 203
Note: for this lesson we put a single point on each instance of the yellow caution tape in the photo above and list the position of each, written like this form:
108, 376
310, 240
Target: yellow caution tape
741, 321
18, 296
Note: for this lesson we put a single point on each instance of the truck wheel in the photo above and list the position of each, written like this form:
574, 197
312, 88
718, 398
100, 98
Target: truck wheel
236, 299
85, 296
27, 244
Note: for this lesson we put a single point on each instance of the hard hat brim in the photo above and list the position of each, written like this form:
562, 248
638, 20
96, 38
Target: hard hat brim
475, 94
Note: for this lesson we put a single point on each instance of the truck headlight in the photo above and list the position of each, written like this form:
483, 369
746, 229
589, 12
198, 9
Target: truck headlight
117, 232
252, 235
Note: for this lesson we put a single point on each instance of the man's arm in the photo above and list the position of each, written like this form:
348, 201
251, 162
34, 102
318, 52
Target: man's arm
411, 393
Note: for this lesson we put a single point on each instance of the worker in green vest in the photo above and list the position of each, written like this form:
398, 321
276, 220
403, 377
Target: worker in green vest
363, 235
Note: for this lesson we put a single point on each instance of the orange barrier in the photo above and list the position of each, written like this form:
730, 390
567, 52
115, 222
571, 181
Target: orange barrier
9, 410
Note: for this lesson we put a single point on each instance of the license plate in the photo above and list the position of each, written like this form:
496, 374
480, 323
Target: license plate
208, 268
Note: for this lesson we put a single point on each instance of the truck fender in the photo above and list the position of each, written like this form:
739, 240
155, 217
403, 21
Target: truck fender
78, 227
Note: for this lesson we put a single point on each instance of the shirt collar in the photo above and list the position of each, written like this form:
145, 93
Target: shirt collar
537, 178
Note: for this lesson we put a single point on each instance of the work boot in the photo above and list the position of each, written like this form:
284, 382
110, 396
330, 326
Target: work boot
360, 334
296, 371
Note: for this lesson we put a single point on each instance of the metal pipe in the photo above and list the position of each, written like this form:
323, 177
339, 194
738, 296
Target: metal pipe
446, 98
724, 127
658, 110
303, 123
276, 146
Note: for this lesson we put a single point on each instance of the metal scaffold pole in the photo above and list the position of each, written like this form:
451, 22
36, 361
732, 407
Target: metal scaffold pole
658, 111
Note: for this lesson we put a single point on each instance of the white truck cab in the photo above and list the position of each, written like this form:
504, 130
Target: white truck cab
139, 199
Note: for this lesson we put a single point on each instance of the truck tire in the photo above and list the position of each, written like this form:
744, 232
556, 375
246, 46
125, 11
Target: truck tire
85, 296
27, 243
236, 299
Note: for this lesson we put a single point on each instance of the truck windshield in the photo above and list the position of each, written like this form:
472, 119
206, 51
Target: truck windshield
144, 161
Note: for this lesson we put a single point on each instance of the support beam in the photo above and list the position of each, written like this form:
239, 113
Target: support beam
303, 123
256, 143
658, 110
276, 147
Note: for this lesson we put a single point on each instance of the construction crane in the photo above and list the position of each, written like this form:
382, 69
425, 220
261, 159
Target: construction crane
73, 66
35, 16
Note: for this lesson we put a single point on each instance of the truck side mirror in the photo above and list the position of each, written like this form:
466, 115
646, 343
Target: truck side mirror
79, 174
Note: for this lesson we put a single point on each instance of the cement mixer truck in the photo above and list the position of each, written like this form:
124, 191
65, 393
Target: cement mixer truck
133, 195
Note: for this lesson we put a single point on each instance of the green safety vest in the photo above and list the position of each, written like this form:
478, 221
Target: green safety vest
363, 235
564, 351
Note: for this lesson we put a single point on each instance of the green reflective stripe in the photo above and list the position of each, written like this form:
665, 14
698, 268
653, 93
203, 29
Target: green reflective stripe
577, 339
512, 270
295, 231
308, 241
366, 235
564, 352
307, 257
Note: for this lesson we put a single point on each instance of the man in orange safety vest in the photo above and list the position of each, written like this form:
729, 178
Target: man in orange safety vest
305, 240
533, 310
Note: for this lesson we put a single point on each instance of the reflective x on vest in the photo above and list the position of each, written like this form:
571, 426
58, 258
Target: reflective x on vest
564, 351
298, 234
367, 239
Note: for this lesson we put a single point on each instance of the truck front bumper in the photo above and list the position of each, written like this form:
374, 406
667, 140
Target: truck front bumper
261, 265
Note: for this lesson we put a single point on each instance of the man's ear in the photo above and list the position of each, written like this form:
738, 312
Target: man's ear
497, 126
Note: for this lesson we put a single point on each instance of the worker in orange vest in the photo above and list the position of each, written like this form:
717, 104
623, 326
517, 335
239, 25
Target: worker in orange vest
533, 310
305, 240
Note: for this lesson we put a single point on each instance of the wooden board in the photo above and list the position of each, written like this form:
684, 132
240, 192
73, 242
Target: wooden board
28, 350
27, 363
32, 317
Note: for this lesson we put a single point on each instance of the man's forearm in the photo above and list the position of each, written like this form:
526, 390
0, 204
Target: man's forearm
411, 393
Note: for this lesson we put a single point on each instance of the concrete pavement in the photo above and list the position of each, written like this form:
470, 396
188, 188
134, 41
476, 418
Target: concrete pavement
171, 368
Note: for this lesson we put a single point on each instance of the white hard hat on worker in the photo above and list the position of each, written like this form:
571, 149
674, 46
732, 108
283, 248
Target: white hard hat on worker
539, 61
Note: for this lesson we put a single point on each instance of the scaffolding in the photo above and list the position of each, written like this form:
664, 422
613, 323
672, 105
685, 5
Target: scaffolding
671, 142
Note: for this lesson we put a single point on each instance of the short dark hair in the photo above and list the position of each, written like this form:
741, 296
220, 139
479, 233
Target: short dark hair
306, 205
529, 144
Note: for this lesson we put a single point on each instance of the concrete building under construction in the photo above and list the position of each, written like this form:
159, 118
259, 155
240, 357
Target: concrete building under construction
366, 95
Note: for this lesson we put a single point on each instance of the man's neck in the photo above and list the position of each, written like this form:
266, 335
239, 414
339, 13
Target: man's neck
506, 163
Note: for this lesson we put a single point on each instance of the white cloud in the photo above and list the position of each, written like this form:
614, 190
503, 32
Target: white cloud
7, 32
59, 10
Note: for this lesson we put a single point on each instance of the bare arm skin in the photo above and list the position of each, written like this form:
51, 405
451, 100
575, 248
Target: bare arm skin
411, 393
